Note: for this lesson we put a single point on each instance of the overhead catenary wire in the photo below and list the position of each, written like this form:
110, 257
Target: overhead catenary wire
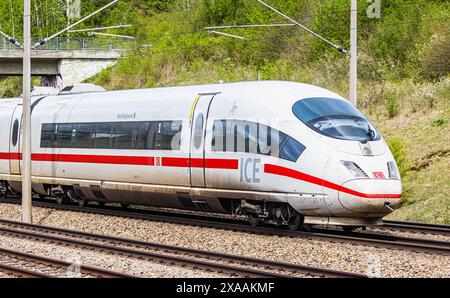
337, 47
45, 40
100, 28
226, 34
112, 35
11, 39
248, 26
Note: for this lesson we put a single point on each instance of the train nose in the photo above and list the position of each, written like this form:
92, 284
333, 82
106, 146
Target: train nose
371, 195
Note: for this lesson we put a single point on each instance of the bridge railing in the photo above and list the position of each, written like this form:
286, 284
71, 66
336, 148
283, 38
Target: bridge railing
76, 43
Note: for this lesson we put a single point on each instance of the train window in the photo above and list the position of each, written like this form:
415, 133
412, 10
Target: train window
251, 137
219, 136
291, 149
140, 135
15, 132
161, 135
67, 135
84, 135
335, 118
150, 140
198, 131
264, 139
101, 137
245, 136
49, 135
171, 139
122, 135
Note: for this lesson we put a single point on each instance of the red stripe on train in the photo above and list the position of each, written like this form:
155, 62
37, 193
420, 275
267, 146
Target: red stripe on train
101, 159
282, 171
12, 156
212, 163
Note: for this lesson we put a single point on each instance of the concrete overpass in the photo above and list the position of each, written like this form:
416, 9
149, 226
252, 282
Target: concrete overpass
74, 59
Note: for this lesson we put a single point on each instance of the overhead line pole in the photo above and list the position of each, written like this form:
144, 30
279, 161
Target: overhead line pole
26, 122
353, 53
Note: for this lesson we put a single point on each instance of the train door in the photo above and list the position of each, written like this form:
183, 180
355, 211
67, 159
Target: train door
14, 141
197, 145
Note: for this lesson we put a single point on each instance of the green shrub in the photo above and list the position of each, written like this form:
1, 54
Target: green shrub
438, 122
398, 150
392, 104
436, 58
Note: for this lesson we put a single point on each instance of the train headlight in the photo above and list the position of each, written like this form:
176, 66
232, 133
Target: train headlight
354, 169
393, 170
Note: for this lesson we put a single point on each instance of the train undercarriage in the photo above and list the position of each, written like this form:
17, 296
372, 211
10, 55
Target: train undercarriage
256, 212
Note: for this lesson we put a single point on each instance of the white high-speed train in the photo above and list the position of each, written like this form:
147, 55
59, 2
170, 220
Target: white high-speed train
280, 152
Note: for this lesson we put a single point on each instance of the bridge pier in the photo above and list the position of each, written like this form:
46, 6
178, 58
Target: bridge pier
75, 71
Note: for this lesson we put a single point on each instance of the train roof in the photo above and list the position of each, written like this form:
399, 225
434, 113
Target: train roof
249, 89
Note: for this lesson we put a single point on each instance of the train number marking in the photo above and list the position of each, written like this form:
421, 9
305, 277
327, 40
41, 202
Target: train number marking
250, 169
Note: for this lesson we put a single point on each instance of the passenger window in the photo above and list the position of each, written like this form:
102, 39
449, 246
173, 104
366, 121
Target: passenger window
101, 137
84, 135
291, 149
250, 137
171, 135
141, 135
264, 139
151, 135
67, 134
163, 135
121, 136
15, 132
198, 131
219, 136
49, 136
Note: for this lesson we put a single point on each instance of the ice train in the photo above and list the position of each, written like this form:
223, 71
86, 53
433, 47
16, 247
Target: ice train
280, 152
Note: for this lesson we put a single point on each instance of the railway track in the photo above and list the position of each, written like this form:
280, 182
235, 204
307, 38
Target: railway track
21, 264
357, 238
416, 227
197, 259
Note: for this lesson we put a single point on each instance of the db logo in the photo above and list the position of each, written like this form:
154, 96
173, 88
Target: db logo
378, 175
158, 161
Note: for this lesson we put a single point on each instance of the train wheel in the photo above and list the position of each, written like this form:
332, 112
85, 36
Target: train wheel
295, 222
253, 220
60, 200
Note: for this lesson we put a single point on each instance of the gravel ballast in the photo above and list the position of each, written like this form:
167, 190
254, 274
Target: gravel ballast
346, 257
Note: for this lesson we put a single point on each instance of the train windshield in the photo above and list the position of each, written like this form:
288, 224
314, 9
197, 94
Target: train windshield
335, 118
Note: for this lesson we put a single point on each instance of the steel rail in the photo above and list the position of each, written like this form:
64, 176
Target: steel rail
166, 259
416, 226
216, 256
20, 272
84, 270
358, 238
